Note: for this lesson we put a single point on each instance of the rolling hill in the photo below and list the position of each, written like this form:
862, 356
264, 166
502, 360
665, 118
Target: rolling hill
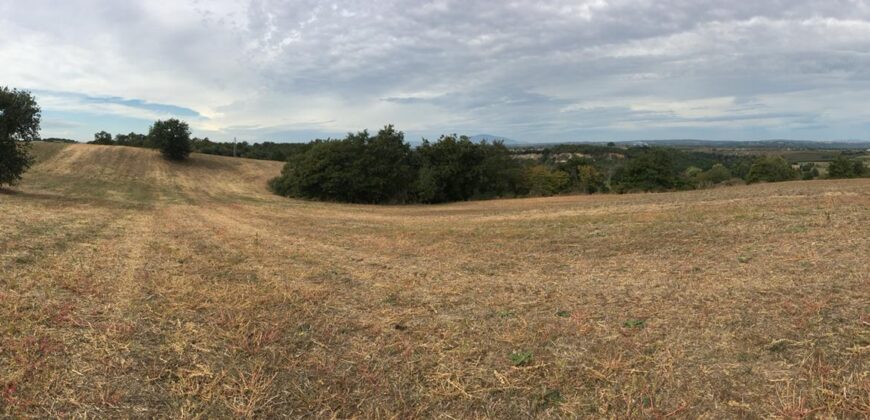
135, 287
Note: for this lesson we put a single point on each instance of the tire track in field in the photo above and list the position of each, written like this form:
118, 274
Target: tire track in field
57, 301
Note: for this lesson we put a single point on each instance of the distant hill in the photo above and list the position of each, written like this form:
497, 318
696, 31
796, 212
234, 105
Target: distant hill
490, 138
731, 144
144, 173
754, 144
58, 140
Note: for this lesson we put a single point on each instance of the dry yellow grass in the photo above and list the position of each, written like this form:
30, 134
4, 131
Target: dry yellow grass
132, 287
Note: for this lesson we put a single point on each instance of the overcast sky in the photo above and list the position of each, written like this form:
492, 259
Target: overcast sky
528, 70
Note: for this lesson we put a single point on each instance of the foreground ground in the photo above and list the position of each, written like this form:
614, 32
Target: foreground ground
133, 287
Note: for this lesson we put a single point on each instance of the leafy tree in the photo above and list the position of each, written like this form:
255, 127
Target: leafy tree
590, 180
103, 138
19, 125
457, 169
718, 173
387, 167
859, 169
770, 169
132, 139
360, 169
693, 172
651, 171
172, 137
808, 171
541, 180
449, 169
841, 167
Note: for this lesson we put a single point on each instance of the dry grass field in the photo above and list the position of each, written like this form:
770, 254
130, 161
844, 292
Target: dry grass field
133, 287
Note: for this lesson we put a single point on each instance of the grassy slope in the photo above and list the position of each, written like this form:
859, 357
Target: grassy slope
129, 288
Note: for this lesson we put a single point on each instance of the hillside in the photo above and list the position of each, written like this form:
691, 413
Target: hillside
135, 287
142, 175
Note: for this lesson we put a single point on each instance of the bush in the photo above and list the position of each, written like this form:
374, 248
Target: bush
808, 171
541, 180
172, 137
590, 180
717, 174
770, 169
845, 168
19, 125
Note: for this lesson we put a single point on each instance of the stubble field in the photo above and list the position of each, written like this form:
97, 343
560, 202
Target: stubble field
132, 287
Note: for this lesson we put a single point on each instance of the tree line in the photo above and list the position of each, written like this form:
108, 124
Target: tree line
171, 137
262, 151
383, 168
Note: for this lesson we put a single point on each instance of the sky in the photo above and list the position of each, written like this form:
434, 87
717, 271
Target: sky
533, 71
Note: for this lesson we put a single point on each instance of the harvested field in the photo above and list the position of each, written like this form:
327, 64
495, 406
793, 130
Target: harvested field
135, 287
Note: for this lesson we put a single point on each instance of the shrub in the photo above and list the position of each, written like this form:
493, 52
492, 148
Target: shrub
717, 174
590, 180
845, 168
541, 180
808, 171
770, 169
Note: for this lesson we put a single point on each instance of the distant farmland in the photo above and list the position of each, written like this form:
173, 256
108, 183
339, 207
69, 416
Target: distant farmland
134, 287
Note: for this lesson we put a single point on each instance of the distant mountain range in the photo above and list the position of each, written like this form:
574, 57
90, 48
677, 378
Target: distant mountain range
722, 144
490, 138
725, 144
755, 144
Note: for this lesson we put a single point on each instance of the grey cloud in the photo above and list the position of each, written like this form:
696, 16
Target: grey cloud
510, 68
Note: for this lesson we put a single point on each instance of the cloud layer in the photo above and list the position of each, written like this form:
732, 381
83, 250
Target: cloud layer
530, 70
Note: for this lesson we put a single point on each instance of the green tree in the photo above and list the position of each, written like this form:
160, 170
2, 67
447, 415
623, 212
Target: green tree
19, 125
590, 180
808, 171
718, 173
653, 170
770, 169
541, 180
845, 168
454, 168
387, 167
360, 169
840, 168
103, 138
172, 137
449, 169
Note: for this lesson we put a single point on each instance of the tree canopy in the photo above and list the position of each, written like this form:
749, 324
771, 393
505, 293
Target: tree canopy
360, 168
102, 138
383, 168
770, 169
19, 125
172, 137
841, 167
